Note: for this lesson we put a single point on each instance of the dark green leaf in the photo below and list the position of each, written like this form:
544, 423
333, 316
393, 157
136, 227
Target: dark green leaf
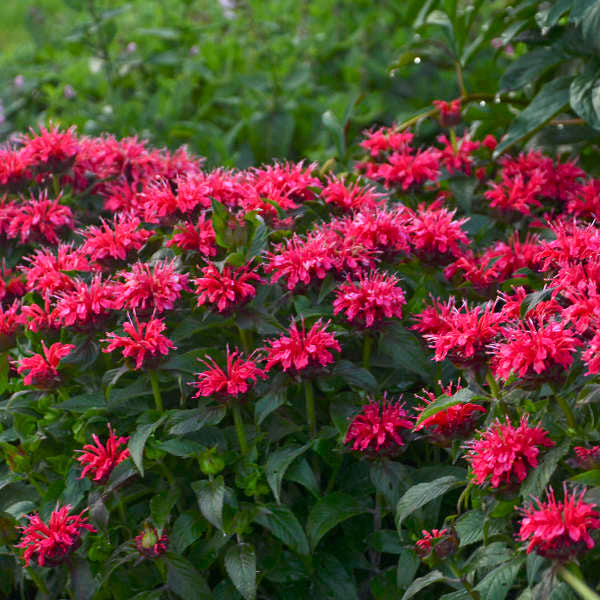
591, 478
210, 495
186, 530
268, 404
183, 422
584, 96
408, 565
284, 525
138, 441
161, 506
84, 585
496, 584
528, 67
240, 564
355, 376
422, 582
441, 403
590, 26
277, 464
83, 402
332, 580
184, 580
538, 478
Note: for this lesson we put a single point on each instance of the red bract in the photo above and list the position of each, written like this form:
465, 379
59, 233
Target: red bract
453, 423
114, 241
528, 350
151, 288
559, 530
50, 543
350, 196
462, 334
197, 238
503, 454
449, 112
371, 300
150, 543
435, 235
227, 289
237, 378
144, 341
86, 305
39, 219
301, 350
43, 368
99, 460
379, 428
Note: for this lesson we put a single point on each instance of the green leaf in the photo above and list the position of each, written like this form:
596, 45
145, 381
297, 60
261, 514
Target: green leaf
496, 584
556, 12
355, 376
408, 565
4, 368
161, 506
268, 404
277, 464
184, 580
470, 527
186, 530
138, 440
329, 512
422, 582
220, 216
422, 493
284, 525
83, 402
549, 101
538, 478
210, 496
527, 68
84, 585
259, 240
532, 300
590, 26
441, 403
183, 422
240, 564
332, 579
591, 478
584, 96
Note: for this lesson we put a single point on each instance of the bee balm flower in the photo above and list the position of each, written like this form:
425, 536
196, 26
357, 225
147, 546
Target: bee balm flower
43, 368
99, 460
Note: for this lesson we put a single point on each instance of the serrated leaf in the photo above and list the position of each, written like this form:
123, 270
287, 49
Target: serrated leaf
138, 440
161, 506
284, 525
186, 530
441, 403
184, 580
268, 404
538, 478
277, 464
329, 512
422, 493
240, 564
584, 96
496, 584
421, 583
210, 496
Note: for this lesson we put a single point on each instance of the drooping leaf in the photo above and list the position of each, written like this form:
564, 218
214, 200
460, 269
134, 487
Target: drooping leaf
240, 564
184, 579
441, 403
277, 464
284, 525
138, 440
210, 496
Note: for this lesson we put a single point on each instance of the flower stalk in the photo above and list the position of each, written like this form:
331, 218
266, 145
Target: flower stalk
311, 419
577, 584
239, 428
156, 391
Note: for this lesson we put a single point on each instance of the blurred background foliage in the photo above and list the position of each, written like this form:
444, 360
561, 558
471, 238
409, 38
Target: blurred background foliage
245, 81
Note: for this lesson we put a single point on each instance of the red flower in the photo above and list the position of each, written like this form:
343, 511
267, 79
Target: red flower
559, 530
85, 306
39, 219
379, 427
453, 423
144, 341
116, 242
405, 170
443, 542
300, 350
15, 166
370, 300
199, 237
239, 374
504, 453
458, 156
587, 458
226, 289
586, 202
449, 112
10, 320
11, 285
591, 356
52, 147
43, 368
351, 196
51, 543
99, 460
150, 543
151, 288
37, 318
528, 349
385, 139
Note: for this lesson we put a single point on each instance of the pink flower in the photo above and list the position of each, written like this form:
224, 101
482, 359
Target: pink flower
151, 288
99, 460
587, 458
516, 193
51, 543
15, 166
350, 196
37, 318
52, 147
386, 139
444, 542
379, 428
198, 238
503, 453
234, 381
528, 349
449, 112
301, 350
10, 320
150, 543
43, 368
227, 289
407, 171
458, 156
559, 530
371, 300
116, 242
144, 341
586, 201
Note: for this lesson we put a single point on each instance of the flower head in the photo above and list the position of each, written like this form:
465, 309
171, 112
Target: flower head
42, 369
444, 542
350, 196
379, 427
198, 238
449, 112
301, 350
559, 530
52, 147
50, 543
503, 454
144, 341
99, 460
150, 543
586, 458
227, 289
237, 378
371, 300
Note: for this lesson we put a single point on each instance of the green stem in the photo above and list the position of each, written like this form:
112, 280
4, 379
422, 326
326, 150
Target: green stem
494, 388
311, 418
38, 581
468, 587
577, 584
156, 391
453, 139
244, 340
367, 346
461, 80
239, 428
35, 484
569, 416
